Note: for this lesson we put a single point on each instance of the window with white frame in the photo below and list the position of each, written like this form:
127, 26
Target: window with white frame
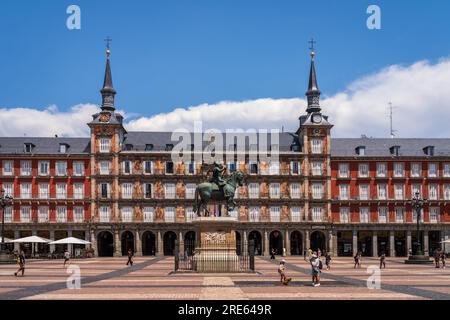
8, 212
61, 214
381, 169
25, 168
25, 190
105, 214
317, 190
126, 167
416, 188
253, 190
78, 168
274, 214
399, 191
169, 214
44, 168
253, 214
344, 191
382, 191
317, 214
295, 167
169, 189
104, 190
8, 167
105, 145
274, 190
317, 168
44, 192
8, 188
148, 167
78, 191
61, 191
169, 167
296, 214
190, 214
344, 215
233, 213
253, 167
433, 192
364, 215
399, 169
104, 167
148, 190
296, 190
446, 170
382, 214
127, 190
432, 170
190, 190
434, 214
399, 215
149, 213
316, 146
62, 148
25, 214
61, 168
363, 192
344, 171
190, 168
416, 169
126, 214
447, 192
78, 214
232, 167
274, 168
43, 214
414, 216
363, 170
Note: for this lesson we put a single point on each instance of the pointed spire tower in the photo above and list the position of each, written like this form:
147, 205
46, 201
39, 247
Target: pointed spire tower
313, 93
108, 92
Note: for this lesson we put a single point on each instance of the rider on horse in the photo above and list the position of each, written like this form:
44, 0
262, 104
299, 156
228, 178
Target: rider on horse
217, 178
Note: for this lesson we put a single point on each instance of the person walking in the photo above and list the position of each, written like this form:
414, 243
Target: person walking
328, 260
357, 261
304, 254
130, 257
437, 258
383, 261
21, 262
66, 257
315, 269
272, 254
310, 252
443, 259
282, 271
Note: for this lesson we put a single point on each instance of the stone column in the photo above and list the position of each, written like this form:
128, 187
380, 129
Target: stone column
181, 242
334, 243
117, 244
392, 243
52, 237
355, 242
266, 244
408, 242
245, 242
288, 243
375, 244
94, 242
426, 250
33, 245
160, 251
307, 240
138, 249
17, 236
70, 246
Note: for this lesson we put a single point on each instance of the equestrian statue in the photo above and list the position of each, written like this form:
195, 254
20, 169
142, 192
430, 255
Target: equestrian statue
218, 189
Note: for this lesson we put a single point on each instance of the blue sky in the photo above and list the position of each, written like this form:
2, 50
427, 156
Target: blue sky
169, 54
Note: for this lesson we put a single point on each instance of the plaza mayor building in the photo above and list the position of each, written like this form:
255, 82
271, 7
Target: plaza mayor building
121, 190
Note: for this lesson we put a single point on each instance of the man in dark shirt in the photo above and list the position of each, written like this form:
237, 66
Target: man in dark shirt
21, 262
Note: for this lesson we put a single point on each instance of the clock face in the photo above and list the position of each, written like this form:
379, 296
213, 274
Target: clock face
317, 118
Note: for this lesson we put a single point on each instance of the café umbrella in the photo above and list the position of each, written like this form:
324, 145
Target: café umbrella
32, 240
70, 240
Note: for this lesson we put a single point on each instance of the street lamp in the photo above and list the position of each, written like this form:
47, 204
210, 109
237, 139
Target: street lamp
5, 201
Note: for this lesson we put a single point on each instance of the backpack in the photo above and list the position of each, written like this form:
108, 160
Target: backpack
320, 265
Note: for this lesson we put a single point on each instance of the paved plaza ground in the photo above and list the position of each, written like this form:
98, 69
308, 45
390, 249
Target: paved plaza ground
152, 278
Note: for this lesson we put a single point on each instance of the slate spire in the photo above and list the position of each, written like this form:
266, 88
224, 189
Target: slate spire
108, 92
313, 93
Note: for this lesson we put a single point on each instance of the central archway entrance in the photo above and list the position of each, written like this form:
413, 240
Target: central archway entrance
105, 244
256, 237
127, 242
276, 242
148, 244
318, 241
296, 243
169, 243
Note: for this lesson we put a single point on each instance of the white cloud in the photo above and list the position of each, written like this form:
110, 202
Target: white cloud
420, 93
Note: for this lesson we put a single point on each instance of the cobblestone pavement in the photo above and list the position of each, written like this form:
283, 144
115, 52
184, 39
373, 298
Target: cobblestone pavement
152, 278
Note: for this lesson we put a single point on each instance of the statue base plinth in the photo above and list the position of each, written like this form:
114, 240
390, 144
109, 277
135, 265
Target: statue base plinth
418, 259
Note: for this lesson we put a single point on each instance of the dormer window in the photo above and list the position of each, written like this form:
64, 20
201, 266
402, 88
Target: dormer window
149, 147
360, 151
169, 147
28, 147
395, 150
63, 148
128, 147
429, 151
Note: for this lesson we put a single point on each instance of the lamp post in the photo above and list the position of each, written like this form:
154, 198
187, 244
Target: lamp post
5, 201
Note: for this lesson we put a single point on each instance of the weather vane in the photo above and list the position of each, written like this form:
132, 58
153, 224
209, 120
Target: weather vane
311, 47
108, 41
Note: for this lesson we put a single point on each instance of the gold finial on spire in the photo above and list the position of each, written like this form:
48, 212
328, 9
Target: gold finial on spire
108, 41
312, 53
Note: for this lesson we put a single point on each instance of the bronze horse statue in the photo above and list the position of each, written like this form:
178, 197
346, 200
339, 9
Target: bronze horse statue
207, 191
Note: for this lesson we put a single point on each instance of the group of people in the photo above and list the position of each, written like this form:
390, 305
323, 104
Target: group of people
20, 259
439, 258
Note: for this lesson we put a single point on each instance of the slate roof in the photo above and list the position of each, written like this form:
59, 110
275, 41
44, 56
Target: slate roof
44, 146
